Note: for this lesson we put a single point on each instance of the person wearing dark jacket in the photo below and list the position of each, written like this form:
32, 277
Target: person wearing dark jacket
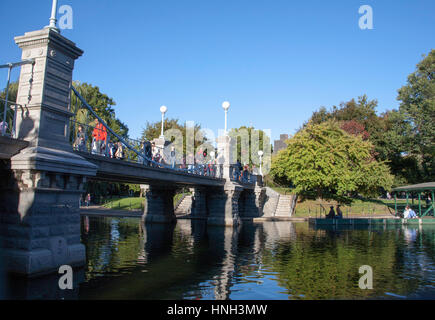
339, 212
331, 214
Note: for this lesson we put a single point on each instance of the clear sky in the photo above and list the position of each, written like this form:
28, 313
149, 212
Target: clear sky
276, 61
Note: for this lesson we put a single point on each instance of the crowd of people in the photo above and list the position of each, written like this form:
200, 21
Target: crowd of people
242, 173
100, 143
201, 163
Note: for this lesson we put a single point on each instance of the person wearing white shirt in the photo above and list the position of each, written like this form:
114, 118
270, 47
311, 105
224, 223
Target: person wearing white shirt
409, 213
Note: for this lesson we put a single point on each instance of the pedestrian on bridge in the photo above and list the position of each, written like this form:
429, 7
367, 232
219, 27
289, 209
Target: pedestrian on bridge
112, 149
245, 174
148, 152
88, 199
119, 151
3, 127
100, 136
80, 142
173, 157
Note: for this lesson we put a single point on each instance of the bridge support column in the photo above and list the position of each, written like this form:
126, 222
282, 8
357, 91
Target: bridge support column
224, 206
159, 205
251, 202
39, 202
199, 202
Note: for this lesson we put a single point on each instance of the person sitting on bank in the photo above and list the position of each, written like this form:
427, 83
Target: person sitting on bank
331, 214
409, 213
339, 212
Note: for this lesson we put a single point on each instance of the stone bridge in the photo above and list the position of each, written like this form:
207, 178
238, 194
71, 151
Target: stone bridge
43, 178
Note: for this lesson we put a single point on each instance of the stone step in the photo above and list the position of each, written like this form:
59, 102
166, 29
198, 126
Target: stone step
185, 205
284, 205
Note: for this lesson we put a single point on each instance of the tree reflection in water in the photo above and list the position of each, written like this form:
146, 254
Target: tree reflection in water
271, 260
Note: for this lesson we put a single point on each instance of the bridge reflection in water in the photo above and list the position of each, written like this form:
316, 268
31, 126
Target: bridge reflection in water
272, 260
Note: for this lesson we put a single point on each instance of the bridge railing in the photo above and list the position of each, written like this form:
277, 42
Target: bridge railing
8, 109
8, 121
94, 136
242, 175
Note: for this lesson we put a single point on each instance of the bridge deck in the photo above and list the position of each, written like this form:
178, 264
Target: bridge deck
128, 172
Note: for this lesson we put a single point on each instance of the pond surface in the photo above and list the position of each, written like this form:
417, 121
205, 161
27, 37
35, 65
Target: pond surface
271, 260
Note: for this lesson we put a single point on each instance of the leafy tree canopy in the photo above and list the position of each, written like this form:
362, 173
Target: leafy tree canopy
249, 142
153, 130
102, 105
323, 161
418, 107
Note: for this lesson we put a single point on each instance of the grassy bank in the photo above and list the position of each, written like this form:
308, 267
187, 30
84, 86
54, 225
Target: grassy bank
365, 207
130, 203
307, 208
315, 208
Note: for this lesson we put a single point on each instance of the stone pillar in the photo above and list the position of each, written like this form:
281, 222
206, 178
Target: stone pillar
159, 205
223, 247
39, 212
224, 156
251, 202
224, 206
199, 202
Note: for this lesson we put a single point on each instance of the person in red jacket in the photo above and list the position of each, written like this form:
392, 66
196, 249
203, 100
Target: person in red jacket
100, 136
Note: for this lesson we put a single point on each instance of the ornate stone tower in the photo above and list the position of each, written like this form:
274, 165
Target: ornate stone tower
40, 218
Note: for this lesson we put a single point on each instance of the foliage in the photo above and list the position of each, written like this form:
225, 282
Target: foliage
323, 161
247, 151
153, 130
355, 128
418, 107
12, 96
102, 105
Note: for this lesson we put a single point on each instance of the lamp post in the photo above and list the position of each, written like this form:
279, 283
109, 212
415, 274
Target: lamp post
53, 20
163, 110
260, 154
226, 106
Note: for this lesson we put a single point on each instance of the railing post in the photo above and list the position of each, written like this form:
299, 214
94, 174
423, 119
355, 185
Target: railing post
6, 100
14, 126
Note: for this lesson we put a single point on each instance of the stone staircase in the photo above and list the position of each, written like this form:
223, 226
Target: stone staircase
278, 204
285, 205
184, 205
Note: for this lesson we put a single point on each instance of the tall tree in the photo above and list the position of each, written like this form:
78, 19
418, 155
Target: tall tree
389, 133
418, 106
101, 103
152, 131
323, 161
246, 149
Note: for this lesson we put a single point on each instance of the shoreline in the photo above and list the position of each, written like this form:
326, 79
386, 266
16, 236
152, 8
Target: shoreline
106, 212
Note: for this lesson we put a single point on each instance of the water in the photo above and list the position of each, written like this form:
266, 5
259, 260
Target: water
272, 260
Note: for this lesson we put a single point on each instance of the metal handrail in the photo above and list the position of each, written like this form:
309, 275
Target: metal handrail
5, 127
10, 66
205, 169
128, 145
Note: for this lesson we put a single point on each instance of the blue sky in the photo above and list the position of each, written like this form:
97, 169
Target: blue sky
276, 61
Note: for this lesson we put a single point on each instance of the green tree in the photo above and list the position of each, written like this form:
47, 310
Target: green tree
153, 130
323, 161
418, 106
101, 103
247, 151
389, 132
12, 96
